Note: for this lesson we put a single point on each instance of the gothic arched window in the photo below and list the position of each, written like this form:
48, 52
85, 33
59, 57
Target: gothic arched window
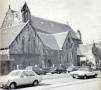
23, 44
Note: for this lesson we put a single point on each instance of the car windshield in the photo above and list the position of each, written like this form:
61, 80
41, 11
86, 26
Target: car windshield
15, 73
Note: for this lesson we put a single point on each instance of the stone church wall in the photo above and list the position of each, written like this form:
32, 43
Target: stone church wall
27, 48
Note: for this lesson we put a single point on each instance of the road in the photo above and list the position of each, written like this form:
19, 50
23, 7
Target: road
67, 83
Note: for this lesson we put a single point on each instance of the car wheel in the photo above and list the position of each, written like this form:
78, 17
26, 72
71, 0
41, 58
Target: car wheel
12, 86
76, 76
73, 76
36, 83
85, 77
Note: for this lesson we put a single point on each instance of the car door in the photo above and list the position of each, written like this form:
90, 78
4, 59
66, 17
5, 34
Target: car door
31, 76
90, 72
22, 79
27, 77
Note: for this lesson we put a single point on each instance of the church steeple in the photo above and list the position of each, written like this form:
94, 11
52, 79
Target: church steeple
79, 34
25, 7
8, 20
26, 15
9, 7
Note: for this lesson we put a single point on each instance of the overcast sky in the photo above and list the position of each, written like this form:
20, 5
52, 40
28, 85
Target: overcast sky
84, 15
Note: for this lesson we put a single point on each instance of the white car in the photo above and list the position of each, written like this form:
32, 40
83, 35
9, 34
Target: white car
19, 77
83, 73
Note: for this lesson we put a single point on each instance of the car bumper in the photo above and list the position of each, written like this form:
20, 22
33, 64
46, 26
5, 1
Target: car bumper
87, 75
77, 76
2, 85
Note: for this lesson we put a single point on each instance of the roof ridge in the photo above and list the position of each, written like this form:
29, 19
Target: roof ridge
60, 33
50, 20
52, 27
14, 37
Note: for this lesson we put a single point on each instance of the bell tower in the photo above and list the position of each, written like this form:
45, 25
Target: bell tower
8, 20
79, 34
26, 15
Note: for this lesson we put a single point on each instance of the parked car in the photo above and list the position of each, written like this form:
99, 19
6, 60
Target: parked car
46, 70
52, 71
58, 70
72, 68
83, 73
40, 71
37, 70
98, 68
18, 78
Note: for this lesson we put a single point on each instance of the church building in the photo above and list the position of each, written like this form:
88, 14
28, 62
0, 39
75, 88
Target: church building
27, 40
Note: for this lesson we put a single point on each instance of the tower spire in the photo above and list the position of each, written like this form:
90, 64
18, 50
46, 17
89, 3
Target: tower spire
79, 34
26, 15
9, 6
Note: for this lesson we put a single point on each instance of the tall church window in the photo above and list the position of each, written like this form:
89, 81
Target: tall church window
23, 44
68, 40
66, 46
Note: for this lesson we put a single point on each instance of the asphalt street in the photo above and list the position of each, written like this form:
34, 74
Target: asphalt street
65, 82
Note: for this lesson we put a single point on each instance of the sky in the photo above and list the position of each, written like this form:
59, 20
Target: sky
84, 15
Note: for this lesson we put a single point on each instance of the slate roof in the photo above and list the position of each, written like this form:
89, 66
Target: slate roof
53, 41
9, 34
51, 27
52, 34
49, 40
60, 38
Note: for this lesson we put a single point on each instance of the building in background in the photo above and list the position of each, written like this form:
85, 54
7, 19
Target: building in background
30, 41
90, 53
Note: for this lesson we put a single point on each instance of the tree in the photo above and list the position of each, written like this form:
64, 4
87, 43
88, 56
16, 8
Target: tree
89, 63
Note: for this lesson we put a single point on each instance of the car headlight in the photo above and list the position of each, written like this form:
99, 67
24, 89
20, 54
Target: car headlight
5, 83
8, 82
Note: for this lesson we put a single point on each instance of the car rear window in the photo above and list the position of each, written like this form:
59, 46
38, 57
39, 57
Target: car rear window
29, 73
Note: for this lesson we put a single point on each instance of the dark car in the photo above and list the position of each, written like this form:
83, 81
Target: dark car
61, 70
58, 70
40, 71
52, 71
72, 68
46, 70
37, 70
98, 68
